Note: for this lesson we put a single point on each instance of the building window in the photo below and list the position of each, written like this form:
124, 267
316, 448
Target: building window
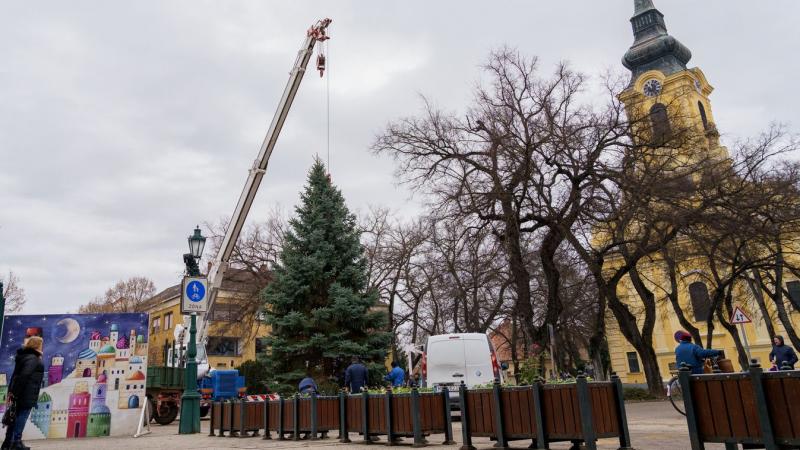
794, 293
703, 114
225, 312
660, 123
223, 346
701, 304
156, 324
633, 362
168, 321
260, 346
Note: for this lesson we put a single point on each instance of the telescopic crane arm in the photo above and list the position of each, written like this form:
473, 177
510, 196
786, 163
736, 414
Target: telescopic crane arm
315, 34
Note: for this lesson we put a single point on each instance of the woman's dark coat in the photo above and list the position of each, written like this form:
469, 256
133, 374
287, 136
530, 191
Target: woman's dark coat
27, 378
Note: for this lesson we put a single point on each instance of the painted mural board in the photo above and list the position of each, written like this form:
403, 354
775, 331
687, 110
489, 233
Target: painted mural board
95, 372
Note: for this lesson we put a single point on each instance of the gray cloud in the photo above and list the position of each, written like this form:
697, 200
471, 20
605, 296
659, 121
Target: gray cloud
123, 124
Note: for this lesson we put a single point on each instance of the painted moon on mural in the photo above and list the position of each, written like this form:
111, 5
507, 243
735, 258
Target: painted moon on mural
68, 330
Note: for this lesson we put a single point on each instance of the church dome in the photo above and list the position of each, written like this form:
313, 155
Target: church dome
107, 350
140, 339
136, 360
95, 335
87, 354
100, 409
122, 343
44, 398
102, 378
653, 48
114, 327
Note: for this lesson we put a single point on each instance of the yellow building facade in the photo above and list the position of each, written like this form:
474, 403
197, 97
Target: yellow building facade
234, 326
663, 88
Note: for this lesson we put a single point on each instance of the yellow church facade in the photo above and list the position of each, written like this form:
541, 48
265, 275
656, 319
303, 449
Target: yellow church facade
662, 88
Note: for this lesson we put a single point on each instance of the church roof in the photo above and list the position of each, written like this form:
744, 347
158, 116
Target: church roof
653, 48
44, 398
87, 354
138, 375
114, 327
122, 343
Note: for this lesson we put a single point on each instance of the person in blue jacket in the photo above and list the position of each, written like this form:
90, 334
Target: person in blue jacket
396, 376
356, 375
308, 385
691, 354
782, 353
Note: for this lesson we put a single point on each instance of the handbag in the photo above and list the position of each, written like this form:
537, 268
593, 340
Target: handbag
11, 413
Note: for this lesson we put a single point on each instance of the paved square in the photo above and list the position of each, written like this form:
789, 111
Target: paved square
653, 425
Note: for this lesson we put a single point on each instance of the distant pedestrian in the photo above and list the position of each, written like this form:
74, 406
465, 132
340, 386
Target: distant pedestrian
691, 354
782, 353
414, 381
23, 392
396, 376
355, 377
308, 385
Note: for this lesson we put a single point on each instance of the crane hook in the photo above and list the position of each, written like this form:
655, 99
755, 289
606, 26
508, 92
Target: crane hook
321, 64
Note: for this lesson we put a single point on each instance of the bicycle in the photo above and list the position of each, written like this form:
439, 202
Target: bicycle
674, 390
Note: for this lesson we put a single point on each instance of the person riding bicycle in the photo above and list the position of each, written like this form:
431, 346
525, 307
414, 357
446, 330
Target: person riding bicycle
691, 354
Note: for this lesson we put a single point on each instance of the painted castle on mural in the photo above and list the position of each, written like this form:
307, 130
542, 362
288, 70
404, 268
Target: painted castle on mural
95, 366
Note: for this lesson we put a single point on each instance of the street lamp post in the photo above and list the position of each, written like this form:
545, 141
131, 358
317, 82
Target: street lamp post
190, 400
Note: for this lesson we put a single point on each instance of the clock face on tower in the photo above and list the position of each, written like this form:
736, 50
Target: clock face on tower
652, 87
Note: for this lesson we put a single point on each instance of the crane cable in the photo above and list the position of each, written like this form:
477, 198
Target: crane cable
328, 104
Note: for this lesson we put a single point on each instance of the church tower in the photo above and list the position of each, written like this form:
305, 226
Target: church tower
664, 95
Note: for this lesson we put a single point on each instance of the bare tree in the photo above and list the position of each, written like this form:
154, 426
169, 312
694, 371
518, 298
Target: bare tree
125, 296
13, 293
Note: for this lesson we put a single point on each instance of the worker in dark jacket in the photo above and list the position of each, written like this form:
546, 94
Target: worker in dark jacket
26, 380
308, 385
691, 354
355, 377
782, 353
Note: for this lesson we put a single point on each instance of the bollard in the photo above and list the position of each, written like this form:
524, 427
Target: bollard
221, 419
685, 378
502, 442
465, 431
267, 433
365, 416
232, 432
448, 419
211, 421
390, 440
344, 435
314, 417
585, 406
296, 418
539, 443
756, 377
622, 416
419, 440
242, 419
280, 420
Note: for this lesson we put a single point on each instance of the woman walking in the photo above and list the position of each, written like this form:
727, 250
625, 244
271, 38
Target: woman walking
23, 392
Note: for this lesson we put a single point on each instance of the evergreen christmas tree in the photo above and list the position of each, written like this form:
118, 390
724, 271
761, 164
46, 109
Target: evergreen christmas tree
317, 305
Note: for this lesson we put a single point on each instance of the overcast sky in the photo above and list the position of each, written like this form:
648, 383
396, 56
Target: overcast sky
124, 124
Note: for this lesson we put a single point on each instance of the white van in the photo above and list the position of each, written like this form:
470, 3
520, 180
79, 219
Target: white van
450, 359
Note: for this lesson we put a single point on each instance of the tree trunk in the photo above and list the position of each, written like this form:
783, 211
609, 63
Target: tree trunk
755, 285
547, 254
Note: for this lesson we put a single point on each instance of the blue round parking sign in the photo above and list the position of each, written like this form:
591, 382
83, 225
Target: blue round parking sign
195, 291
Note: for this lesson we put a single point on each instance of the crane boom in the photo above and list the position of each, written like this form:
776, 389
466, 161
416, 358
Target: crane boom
317, 33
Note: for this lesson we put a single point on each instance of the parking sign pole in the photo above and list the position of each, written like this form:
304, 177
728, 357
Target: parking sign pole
744, 340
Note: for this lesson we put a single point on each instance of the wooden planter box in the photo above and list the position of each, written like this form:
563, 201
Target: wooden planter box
580, 412
396, 415
407, 415
753, 407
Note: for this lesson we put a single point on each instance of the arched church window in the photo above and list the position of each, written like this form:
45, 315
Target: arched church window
660, 123
703, 116
701, 304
